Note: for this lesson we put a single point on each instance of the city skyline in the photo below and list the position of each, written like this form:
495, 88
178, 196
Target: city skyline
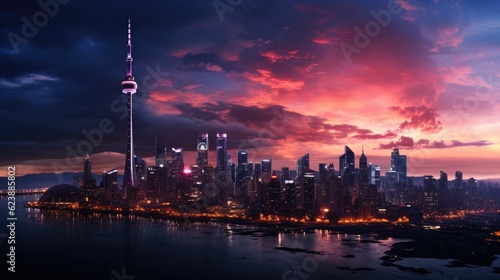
279, 89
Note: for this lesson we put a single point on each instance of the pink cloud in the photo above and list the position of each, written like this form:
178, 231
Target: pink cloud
422, 118
212, 67
410, 144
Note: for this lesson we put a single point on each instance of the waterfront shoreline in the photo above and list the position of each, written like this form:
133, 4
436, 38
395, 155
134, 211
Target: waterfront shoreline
465, 246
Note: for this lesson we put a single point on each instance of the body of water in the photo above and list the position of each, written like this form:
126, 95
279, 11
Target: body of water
64, 245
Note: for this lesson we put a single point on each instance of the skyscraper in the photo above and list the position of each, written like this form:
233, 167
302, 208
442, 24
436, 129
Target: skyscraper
129, 87
266, 165
87, 173
89, 191
242, 157
241, 171
302, 164
309, 193
161, 154
430, 196
346, 161
273, 195
363, 175
221, 150
202, 148
398, 164
374, 175
110, 182
177, 163
443, 193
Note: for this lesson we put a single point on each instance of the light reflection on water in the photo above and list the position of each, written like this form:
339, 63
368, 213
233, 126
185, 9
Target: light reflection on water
58, 243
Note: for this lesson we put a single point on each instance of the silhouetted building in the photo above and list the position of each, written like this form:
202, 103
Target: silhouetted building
273, 195
267, 169
221, 151
140, 168
363, 175
309, 208
202, 149
346, 161
160, 154
110, 182
302, 164
290, 206
176, 171
430, 196
374, 174
443, 194
88, 181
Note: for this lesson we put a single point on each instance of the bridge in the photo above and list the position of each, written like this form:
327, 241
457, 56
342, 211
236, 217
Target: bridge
24, 191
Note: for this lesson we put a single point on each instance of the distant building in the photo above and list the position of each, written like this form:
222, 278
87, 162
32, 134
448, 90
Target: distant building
110, 183
267, 169
273, 195
430, 196
202, 150
443, 194
309, 206
346, 161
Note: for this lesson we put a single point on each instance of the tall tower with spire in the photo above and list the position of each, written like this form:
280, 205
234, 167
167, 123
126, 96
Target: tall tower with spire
129, 87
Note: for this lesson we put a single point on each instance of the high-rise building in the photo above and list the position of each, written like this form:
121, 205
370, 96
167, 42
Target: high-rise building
302, 164
129, 87
391, 186
457, 193
459, 179
140, 168
430, 197
322, 186
374, 174
160, 154
177, 168
241, 172
285, 174
346, 161
202, 149
88, 181
273, 195
221, 151
110, 182
90, 192
443, 193
290, 206
155, 181
242, 157
394, 159
363, 175
309, 193
266, 166
398, 164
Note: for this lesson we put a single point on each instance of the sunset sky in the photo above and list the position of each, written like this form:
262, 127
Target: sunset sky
282, 78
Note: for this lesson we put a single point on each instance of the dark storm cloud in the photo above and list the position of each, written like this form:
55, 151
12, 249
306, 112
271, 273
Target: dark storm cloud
80, 55
259, 125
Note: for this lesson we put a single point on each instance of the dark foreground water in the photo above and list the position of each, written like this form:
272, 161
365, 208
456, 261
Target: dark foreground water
63, 245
